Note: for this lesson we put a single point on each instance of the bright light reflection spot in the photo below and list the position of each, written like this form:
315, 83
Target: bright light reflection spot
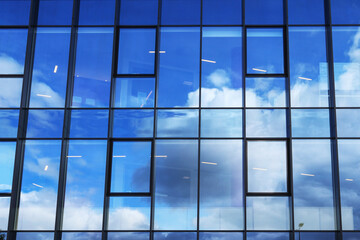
120, 156
210, 163
74, 156
43, 95
146, 98
307, 174
349, 179
260, 169
187, 83
304, 78
186, 177
161, 156
46, 168
209, 61
56, 68
37, 185
259, 70
159, 51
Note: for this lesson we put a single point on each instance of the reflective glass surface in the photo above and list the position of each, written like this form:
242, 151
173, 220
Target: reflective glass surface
222, 12
4, 216
133, 123
174, 235
262, 12
138, 12
348, 122
221, 123
182, 12
351, 236
220, 236
128, 236
81, 236
315, 236
3, 235
7, 158
9, 120
45, 124
265, 123
345, 11
310, 123
177, 123
14, 12
89, 123
10, 92
265, 92
34, 235
267, 236
97, 12
306, 12
55, 12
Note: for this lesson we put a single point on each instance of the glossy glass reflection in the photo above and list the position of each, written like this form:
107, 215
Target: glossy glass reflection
221, 67
128, 236
348, 122
265, 92
267, 213
308, 67
315, 236
34, 235
45, 124
97, 12
39, 186
313, 185
55, 12
129, 213
345, 11
221, 123
222, 12
138, 12
265, 123
14, 12
50, 70
9, 120
10, 92
310, 123
174, 235
176, 164
185, 12
267, 236
306, 12
177, 123
350, 235
265, 53
263, 12
3, 235
93, 67
131, 164
133, 123
81, 236
4, 216
89, 123
220, 236
178, 84
85, 180
7, 158
221, 186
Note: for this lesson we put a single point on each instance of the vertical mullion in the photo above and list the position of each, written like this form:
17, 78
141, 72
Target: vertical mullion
244, 146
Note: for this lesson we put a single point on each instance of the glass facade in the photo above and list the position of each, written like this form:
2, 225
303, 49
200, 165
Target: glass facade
179, 119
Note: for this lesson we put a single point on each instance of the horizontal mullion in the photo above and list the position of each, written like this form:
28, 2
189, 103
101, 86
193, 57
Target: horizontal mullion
135, 75
127, 194
269, 75
268, 194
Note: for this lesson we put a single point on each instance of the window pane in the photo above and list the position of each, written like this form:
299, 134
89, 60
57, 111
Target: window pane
7, 158
310, 123
313, 192
265, 53
10, 92
267, 213
348, 122
34, 235
14, 12
134, 92
138, 12
267, 166
128, 235
177, 123
176, 165
265, 92
315, 236
179, 67
306, 12
39, 185
3, 235
136, 51
9, 120
133, 123
345, 11
45, 124
221, 185
221, 123
48, 87
266, 123
221, 67
308, 67
351, 235
221, 236
89, 123
222, 12
81, 236
4, 216
55, 12
84, 197
12, 49
267, 235
183, 12
97, 12
129, 213
93, 67
131, 164
264, 12
174, 236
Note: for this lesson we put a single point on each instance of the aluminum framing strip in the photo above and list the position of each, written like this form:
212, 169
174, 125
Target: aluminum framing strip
244, 145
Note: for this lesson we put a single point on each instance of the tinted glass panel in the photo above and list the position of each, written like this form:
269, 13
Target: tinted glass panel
128, 236
310, 123
315, 236
89, 123
265, 92
7, 158
267, 236
220, 236
45, 124
264, 12
133, 123
97, 12
55, 12
348, 122
9, 120
34, 235
3, 235
266, 123
4, 216
221, 123
306, 12
351, 236
177, 123
180, 12
222, 12
81, 236
345, 11
14, 12
174, 236
10, 92
138, 12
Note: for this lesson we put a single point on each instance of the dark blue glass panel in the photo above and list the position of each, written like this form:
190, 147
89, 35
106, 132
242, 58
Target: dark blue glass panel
14, 12
306, 12
265, 123
267, 236
7, 158
310, 123
221, 67
55, 12
345, 11
4, 216
10, 92
39, 185
225, 12
183, 12
221, 236
9, 120
221, 123
134, 92
133, 123
308, 67
89, 124
45, 124
12, 50
178, 84
263, 12
176, 185
174, 236
265, 53
3, 235
97, 12
351, 236
315, 236
138, 12
48, 86
34, 235
93, 67
136, 51
128, 236
177, 123
348, 122
265, 92
81, 236
131, 163
85, 180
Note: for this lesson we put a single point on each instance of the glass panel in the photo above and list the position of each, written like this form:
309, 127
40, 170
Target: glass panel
263, 12
10, 92
138, 12
184, 12
45, 124
34, 235
133, 123
345, 11
3, 235
176, 165
350, 236
128, 236
221, 189
306, 12
14, 12
4, 210
313, 185
267, 236
39, 186
221, 74
310, 123
348, 122
129, 213
93, 67
136, 51
89, 123
84, 197
265, 51
177, 123
174, 235
179, 66
134, 92
222, 12
131, 164
266, 123
12, 48
97, 12
81, 236
221, 236
9, 120
7, 158
265, 92
267, 213
55, 12
308, 67
48, 87
315, 236
221, 123
267, 166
